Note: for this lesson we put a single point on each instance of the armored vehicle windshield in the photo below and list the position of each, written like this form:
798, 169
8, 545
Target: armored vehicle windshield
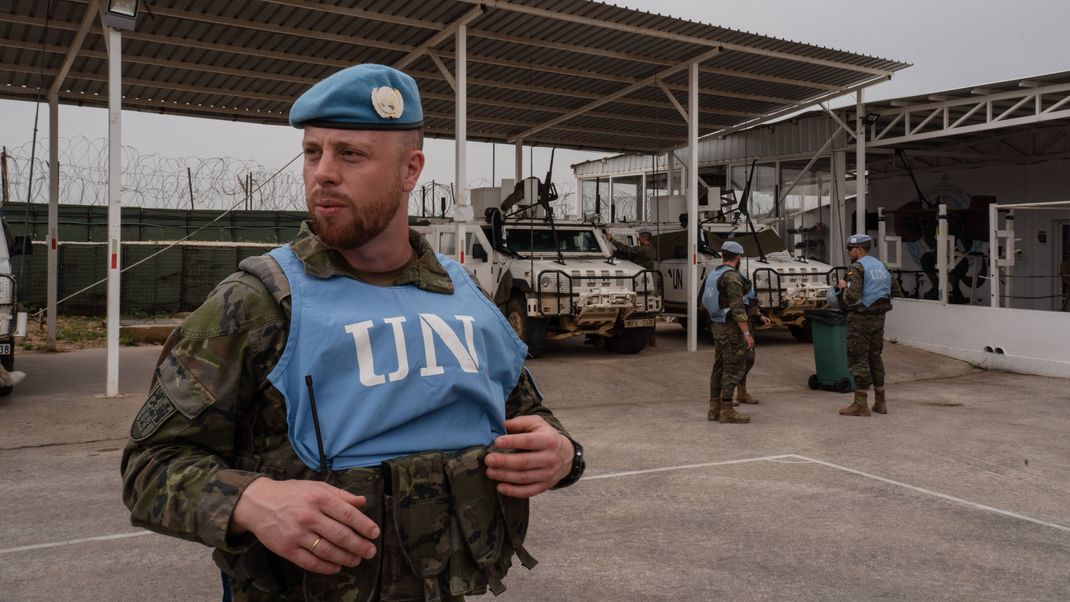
769, 239
542, 240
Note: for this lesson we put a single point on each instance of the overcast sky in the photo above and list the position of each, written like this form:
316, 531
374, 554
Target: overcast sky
951, 44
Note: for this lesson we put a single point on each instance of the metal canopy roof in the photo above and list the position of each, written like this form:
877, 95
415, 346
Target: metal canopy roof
570, 73
1018, 121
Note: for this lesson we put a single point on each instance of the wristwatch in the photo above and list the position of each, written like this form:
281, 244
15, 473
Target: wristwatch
578, 466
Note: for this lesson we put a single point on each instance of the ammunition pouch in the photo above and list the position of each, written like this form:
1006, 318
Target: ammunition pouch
445, 530
454, 531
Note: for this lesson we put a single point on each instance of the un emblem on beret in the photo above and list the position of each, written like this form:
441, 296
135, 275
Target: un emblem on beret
388, 102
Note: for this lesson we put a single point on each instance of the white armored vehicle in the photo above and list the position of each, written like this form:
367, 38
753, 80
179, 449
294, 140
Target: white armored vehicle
552, 279
12, 321
785, 285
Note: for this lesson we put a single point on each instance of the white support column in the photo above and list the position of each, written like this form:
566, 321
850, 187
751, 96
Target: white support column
53, 218
91, 11
670, 171
838, 233
1008, 261
518, 170
886, 243
882, 234
462, 209
115, 82
941, 253
860, 164
993, 255
692, 209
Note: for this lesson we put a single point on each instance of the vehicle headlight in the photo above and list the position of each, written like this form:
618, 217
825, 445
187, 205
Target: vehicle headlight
548, 283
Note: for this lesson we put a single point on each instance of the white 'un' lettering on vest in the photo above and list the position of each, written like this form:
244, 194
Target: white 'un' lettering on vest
430, 326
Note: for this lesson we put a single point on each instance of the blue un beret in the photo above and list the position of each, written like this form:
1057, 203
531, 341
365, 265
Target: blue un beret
732, 247
362, 97
859, 239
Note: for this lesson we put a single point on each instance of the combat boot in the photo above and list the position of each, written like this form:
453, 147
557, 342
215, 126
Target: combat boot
715, 411
878, 401
729, 415
742, 396
859, 407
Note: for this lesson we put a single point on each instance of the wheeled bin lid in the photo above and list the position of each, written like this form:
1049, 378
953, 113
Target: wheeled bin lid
828, 317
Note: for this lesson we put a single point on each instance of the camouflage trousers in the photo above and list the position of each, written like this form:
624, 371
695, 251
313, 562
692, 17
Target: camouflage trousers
748, 365
732, 360
865, 342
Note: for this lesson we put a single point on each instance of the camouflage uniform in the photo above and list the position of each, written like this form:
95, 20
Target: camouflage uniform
752, 313
731, 354
644, 255
213, 423
865, 330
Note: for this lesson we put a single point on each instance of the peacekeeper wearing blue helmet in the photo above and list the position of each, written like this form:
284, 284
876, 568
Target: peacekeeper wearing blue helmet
348, 416
867, 295
725, 296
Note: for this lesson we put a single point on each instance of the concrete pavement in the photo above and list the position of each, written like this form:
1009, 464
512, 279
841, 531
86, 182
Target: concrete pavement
959, 493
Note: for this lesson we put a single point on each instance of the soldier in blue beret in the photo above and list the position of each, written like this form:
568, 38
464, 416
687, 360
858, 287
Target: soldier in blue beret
325, 420
867, 289
725, 296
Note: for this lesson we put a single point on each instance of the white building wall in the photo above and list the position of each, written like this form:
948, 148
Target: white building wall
1015, 340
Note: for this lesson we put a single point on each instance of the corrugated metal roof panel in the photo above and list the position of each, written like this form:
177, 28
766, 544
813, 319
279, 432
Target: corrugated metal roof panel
529, 62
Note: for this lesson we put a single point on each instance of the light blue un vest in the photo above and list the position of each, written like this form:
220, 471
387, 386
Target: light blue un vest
395, 370
711, 298
876, 283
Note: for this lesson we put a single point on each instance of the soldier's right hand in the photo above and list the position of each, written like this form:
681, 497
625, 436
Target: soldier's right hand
748, 338
314, 525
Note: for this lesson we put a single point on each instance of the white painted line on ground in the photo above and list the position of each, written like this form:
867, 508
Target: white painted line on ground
629, 473
943, 496
778, 458
56, 544
802, 459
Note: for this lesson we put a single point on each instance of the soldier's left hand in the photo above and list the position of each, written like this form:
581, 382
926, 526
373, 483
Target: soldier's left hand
543, 457
765, 320
842, 284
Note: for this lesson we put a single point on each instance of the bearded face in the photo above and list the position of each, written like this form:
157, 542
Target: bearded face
356, 182
343, 223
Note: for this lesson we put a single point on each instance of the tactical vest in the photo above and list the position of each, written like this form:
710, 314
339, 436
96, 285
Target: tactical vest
876, 283
444, 527
711, 296
395, 370
751, 295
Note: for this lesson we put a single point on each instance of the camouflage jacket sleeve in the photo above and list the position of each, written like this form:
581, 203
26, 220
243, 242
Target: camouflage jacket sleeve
732, 292
643, 255
752, 309
525, 400
177, 475
623, 250
855, 277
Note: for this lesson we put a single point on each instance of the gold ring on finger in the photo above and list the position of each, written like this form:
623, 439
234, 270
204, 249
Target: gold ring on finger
314, 544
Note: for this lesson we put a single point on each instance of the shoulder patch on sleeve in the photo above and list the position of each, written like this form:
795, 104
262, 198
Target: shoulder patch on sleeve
157, 409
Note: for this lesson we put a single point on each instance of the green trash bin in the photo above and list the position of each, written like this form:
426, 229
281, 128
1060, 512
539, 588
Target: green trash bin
829, 330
